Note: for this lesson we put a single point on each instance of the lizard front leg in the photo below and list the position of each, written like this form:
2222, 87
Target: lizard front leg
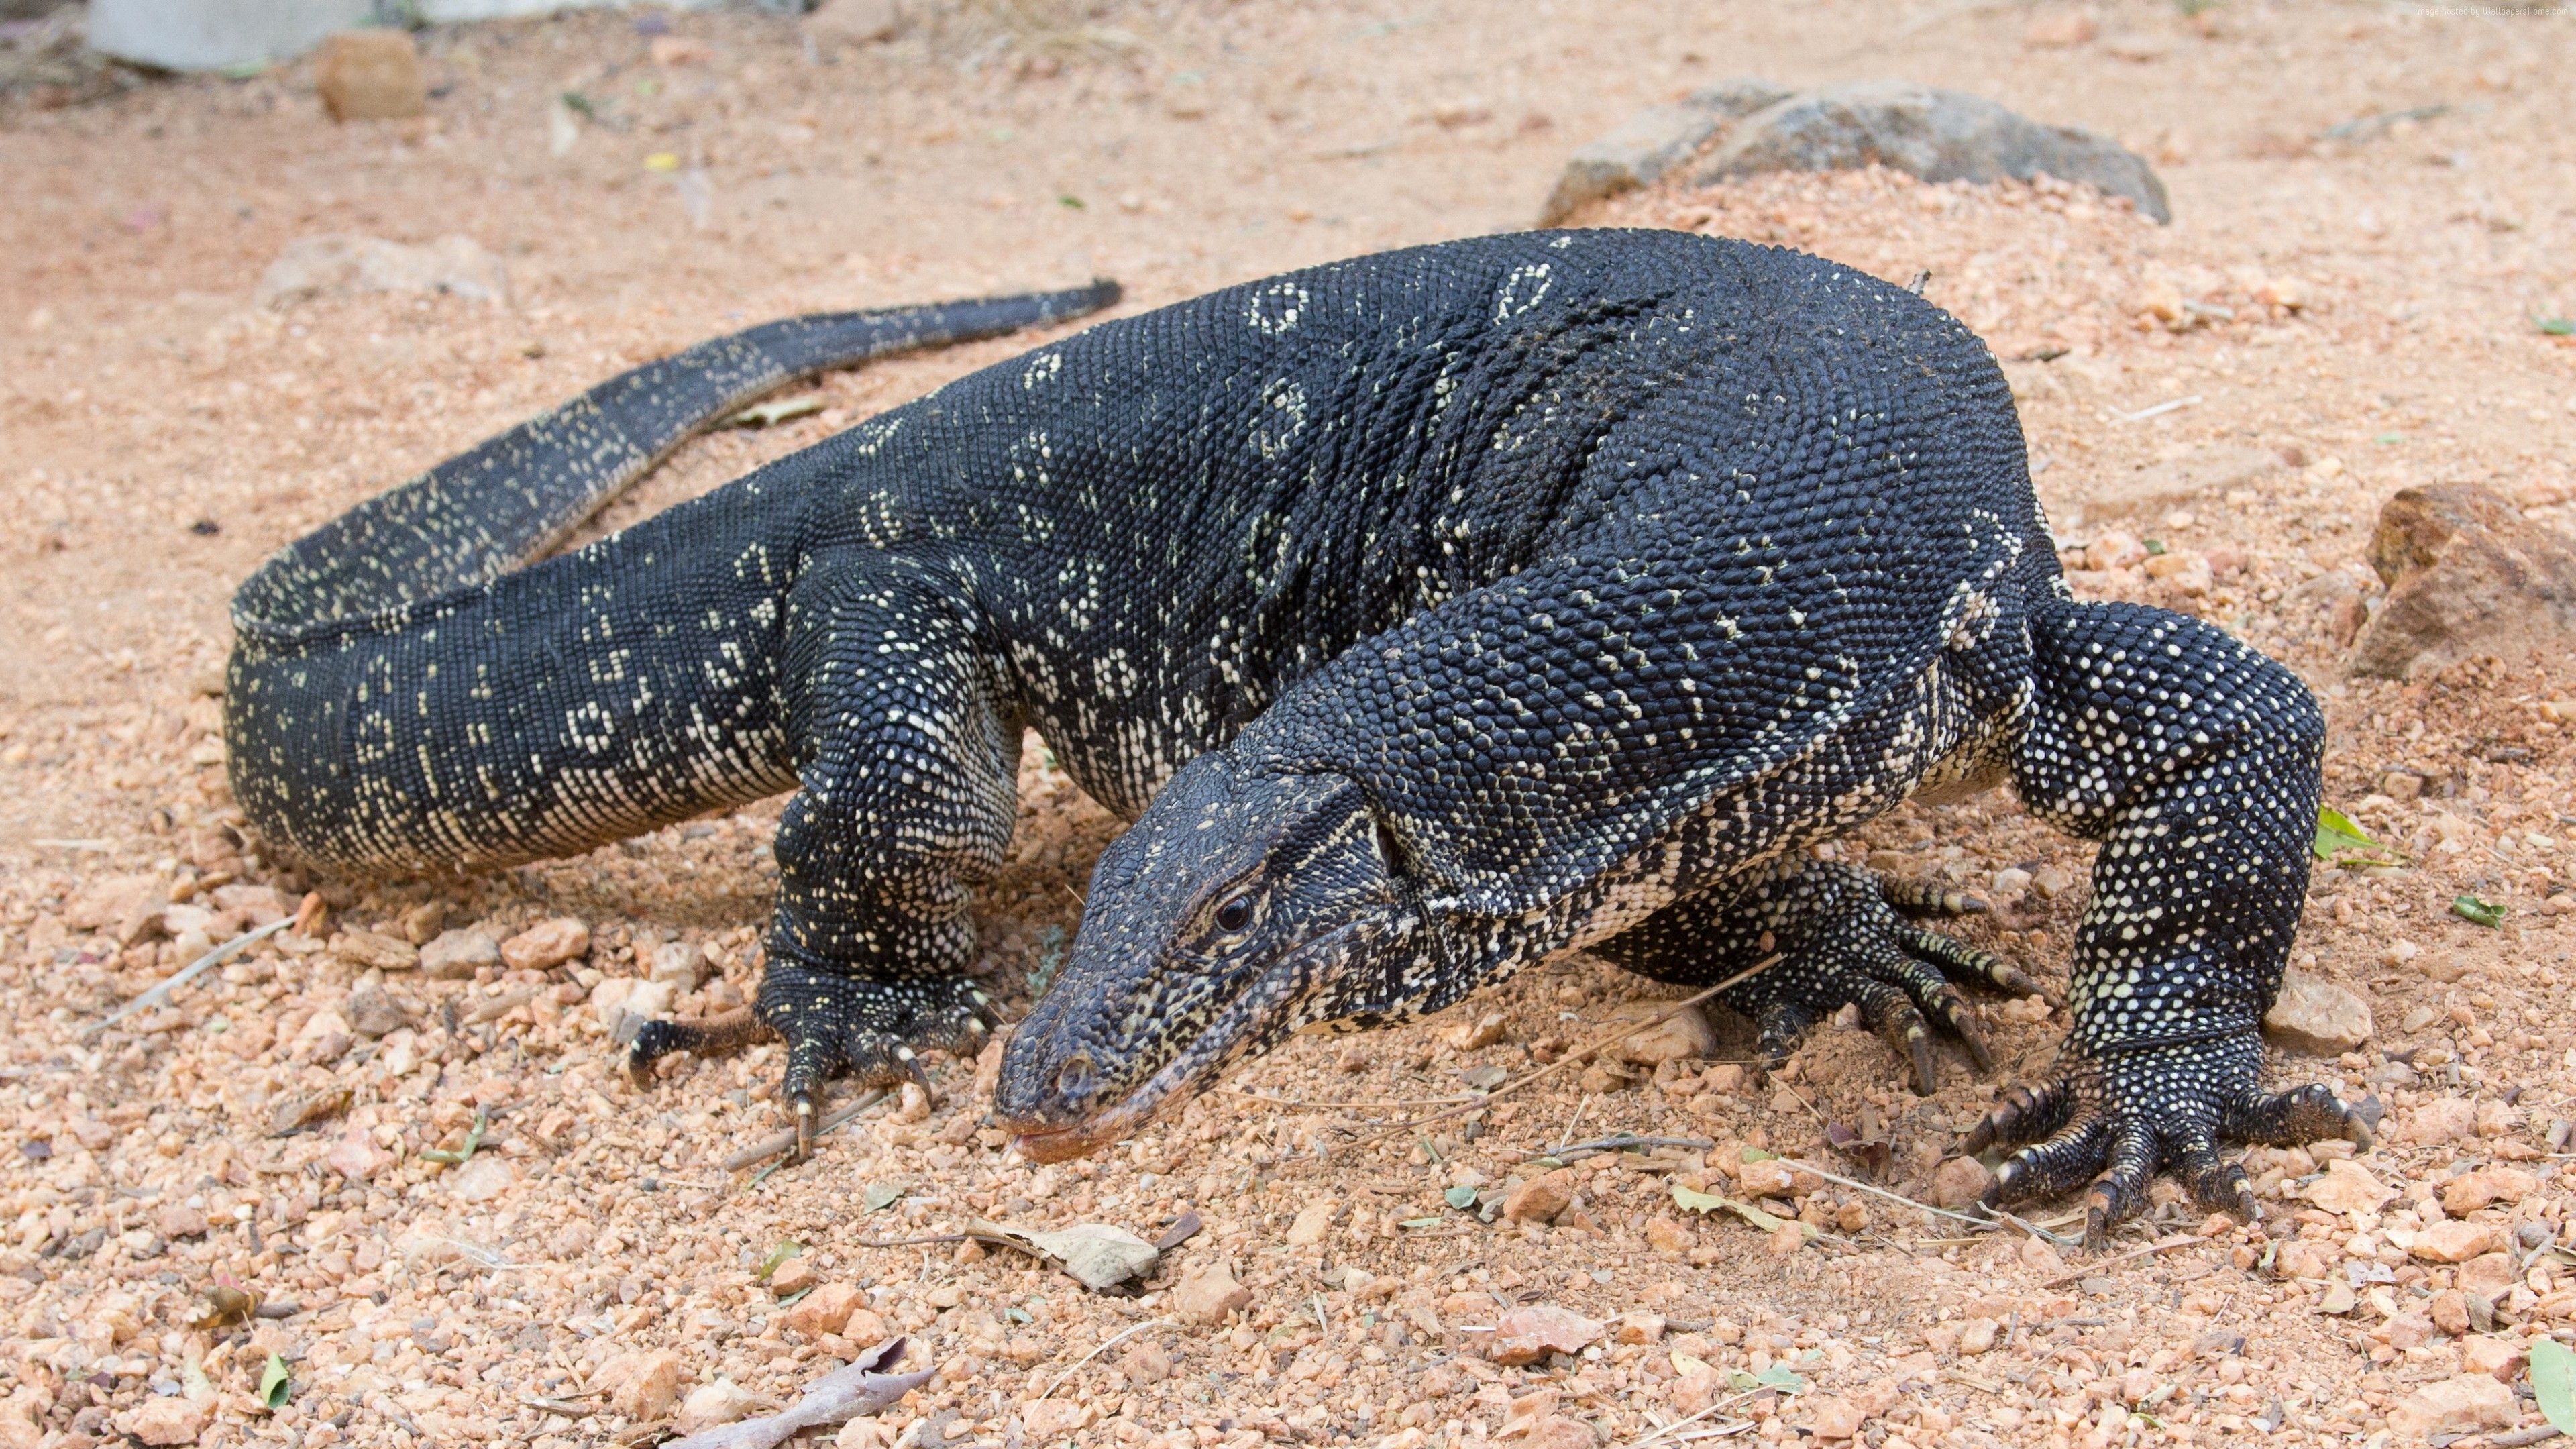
909, 793
1840, 941
2195, 761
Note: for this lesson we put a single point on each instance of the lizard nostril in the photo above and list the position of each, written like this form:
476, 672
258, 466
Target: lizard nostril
1073, 1079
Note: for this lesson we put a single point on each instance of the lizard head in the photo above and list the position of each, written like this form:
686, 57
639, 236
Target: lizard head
1242, 906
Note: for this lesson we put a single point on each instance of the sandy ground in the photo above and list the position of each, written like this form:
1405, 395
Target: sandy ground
2327, 321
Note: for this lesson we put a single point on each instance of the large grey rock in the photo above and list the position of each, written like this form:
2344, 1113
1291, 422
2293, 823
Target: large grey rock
1933, 134
215, 34
1650, 143
219, 34
2467, 576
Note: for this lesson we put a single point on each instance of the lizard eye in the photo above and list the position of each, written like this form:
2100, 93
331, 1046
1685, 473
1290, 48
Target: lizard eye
1235, 913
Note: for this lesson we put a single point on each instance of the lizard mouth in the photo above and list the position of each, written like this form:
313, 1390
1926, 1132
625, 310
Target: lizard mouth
1264, 1012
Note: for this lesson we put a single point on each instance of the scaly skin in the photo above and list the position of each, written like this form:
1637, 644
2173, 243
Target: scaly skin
1453, 608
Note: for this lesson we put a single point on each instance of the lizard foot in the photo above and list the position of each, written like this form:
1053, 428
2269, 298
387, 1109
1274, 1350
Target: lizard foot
2115, 1124
834, 1025
1842, 941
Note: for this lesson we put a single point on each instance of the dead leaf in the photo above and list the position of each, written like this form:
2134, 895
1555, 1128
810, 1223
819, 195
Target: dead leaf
1867, 1144
1183, 1228
227, 1305
1099, 1256
844, 1393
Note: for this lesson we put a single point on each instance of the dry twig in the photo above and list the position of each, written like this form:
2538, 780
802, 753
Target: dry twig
1616, 1144
1303, 1106
188, 973
778, 1142
2167, 1245
1103, 1348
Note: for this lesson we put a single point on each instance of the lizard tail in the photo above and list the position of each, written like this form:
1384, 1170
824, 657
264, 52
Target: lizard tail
510, 499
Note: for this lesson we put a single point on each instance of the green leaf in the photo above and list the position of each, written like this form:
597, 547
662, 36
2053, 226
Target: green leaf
1698, 1202
580, 104
1707, 1202
2336, 834
2553, 1382
762, 415
777, 1255
2155, 547
1756, 1154
1069, 202
1767, 1222
1780, 1376
2343, 843
464, 1154
1742, 1382
883, 1195
2484, 913
1460, 1197
2556, 327
274, 1385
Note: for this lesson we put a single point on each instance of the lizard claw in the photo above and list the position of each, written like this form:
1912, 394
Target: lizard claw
1845, 943
834, 1025
871, 1031
2110, 1126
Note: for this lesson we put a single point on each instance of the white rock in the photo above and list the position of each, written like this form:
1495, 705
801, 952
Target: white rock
1687, 1035
2313, 1014
721, 1402
681, 963
857, 22
317, 266
485, 1176
456, 955
2348, 1187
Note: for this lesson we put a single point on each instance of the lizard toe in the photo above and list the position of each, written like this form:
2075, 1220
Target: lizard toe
2119, 1122
2055, 1165
1779, 1025
2215, 1183
2025, 1114
1928, 898
1896, 1012
1960, 961
2301, 1115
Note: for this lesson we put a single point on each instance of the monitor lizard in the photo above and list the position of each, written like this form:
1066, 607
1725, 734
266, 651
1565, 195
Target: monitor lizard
1431, 613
